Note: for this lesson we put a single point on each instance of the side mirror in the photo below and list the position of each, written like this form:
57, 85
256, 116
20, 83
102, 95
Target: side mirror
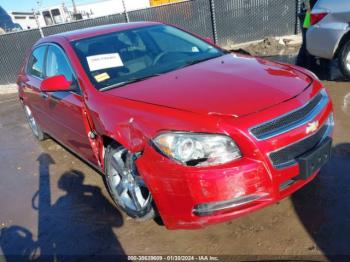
55, 83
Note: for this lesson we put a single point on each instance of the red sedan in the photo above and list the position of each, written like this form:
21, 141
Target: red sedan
179, 127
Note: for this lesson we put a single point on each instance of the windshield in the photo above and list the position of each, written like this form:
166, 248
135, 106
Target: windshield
124, 57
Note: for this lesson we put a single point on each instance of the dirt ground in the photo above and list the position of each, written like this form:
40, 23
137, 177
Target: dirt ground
53, 203
274, 46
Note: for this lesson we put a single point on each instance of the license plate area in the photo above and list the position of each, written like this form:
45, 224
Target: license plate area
310, 162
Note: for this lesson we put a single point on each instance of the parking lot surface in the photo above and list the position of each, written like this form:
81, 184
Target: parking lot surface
53, 203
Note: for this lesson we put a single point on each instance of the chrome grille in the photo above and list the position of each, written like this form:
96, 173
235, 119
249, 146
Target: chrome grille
291, 120
286, 156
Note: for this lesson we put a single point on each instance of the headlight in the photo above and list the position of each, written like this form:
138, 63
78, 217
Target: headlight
198, 149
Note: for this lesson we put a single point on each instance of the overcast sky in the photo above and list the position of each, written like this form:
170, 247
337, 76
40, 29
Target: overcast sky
27, 5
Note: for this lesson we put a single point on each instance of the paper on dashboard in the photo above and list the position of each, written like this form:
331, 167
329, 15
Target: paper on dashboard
104, 61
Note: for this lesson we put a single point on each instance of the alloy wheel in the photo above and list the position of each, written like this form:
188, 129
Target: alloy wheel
126, 184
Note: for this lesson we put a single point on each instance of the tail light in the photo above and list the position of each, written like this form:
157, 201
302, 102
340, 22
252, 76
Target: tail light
315, 18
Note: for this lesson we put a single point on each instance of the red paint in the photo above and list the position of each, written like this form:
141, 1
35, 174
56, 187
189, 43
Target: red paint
227, 95
317, 17
55, 83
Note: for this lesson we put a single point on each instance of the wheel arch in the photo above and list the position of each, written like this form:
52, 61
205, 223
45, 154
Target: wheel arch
343, 40
132, 143
106, 141
128, 135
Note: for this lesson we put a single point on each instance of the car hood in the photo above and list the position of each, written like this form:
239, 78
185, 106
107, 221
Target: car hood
234, 85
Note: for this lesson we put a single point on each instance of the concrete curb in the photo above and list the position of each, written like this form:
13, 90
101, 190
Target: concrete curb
8, 89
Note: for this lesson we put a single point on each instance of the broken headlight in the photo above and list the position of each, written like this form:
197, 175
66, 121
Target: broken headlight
195, 149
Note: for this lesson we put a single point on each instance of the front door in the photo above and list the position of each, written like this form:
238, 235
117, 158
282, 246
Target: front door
65, 109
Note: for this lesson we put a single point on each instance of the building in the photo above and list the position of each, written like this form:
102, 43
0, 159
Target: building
67, 13
163, 2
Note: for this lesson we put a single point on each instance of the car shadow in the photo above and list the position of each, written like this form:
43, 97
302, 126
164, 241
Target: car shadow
323, 205
78, 226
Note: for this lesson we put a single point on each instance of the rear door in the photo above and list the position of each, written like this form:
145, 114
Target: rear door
65, 109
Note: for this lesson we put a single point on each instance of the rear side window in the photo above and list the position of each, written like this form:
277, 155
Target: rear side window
36, 62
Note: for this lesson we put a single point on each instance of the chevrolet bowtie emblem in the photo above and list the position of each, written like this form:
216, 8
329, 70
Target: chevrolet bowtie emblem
312, 127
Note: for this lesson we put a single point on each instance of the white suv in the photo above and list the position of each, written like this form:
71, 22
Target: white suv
329, 35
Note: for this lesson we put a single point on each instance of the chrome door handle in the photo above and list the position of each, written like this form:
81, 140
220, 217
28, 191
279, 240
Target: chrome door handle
44, 95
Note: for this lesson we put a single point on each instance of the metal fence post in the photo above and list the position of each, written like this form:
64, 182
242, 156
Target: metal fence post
125, 12
297, 21
38, 24
213, 20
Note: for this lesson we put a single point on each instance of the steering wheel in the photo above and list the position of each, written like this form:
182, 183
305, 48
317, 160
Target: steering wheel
159, 57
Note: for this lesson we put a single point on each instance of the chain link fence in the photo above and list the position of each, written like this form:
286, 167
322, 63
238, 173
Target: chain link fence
240, 21
13, 48
193, 16
227, 22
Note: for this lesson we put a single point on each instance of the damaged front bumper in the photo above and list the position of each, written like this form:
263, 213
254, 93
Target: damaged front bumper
190, 198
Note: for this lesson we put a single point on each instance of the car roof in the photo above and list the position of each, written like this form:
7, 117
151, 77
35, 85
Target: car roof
94, 31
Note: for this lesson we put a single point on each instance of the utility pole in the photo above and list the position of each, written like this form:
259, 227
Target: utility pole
74, 10
43, 206
74, 7
125, 12
37, 19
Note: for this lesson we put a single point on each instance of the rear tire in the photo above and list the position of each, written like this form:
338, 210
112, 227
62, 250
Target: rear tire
125, 184
344, 59
33, 124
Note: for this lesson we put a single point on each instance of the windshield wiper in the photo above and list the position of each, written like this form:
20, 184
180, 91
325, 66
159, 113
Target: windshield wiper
130, 81
193, 62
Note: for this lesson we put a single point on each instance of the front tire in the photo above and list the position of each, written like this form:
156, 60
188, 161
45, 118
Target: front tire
344, 59
125, 184
33, 124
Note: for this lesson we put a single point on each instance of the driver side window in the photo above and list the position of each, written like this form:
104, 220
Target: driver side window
57, 64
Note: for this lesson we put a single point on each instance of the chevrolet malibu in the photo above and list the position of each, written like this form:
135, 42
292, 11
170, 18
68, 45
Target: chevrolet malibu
180, 128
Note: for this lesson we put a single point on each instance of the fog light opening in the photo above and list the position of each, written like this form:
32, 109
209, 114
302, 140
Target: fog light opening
211, 208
